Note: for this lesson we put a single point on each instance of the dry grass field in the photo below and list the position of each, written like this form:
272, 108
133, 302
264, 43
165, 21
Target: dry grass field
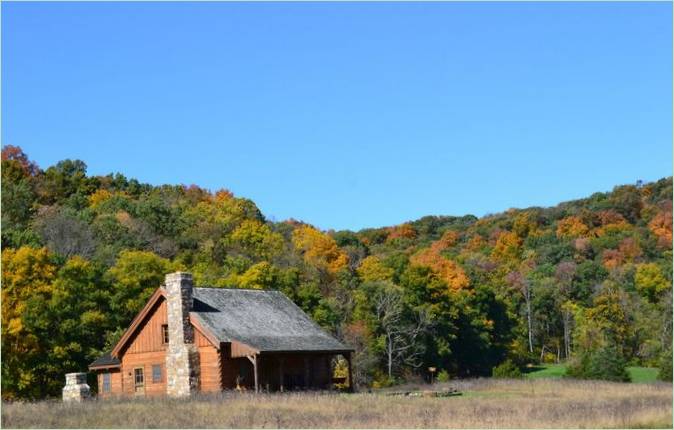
484, 403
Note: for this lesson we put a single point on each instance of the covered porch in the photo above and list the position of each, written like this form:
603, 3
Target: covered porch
288, 371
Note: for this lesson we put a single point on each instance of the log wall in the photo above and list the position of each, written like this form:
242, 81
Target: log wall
149, 337
209, 361
115, 382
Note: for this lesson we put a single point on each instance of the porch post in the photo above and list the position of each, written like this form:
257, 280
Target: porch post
280, 373
255, 360
348, 360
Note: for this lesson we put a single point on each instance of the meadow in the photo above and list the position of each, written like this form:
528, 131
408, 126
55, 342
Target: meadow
483, 403
637, 374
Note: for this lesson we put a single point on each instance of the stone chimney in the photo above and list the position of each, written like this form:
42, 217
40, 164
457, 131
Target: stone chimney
76, 388
182, 358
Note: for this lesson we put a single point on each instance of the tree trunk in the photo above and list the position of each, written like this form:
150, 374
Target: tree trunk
558, 352
528, 299
567, 333
390, 356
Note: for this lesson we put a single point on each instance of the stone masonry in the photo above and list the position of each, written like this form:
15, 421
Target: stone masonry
182, 358
76, 388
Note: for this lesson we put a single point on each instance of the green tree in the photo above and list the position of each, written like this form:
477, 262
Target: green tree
606, 363
66, 178
665, 366
134, 277
71, 324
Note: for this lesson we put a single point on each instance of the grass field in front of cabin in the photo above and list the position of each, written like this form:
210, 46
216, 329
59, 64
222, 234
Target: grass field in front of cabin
483, 403
643, 374
637, 374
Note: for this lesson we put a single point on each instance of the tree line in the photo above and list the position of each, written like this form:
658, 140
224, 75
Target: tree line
587, 282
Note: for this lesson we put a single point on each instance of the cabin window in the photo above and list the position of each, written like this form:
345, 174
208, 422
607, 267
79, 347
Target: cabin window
156, 373
164, 334
138, 376
106, 382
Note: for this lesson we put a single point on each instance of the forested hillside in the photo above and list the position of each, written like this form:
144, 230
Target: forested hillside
586, 281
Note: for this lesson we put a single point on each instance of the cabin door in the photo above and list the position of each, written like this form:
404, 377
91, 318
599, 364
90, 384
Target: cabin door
139, 381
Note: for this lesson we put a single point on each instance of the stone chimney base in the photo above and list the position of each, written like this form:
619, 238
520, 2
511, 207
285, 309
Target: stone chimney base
183, 377
182, 358
76, 388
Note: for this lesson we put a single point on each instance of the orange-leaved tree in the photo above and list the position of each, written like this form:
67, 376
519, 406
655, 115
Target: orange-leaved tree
319, 249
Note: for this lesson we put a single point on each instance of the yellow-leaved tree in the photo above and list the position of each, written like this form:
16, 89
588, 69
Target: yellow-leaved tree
319, 249
571, 227
372, 269
507, 248
260, 276
257, 239
650, 281
27, 276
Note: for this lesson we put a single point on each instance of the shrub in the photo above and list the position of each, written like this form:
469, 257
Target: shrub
605, 363
381, 380
665, 368
549, 358
443, 376
507, 369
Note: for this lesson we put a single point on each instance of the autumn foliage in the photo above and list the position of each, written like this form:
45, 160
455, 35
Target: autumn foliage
81, 254
571, 227
320, 249
449, 271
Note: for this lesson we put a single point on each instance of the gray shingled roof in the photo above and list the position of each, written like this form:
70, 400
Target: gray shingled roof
264, 320
105, 360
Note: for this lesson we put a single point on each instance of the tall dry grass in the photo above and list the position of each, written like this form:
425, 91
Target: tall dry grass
484, 404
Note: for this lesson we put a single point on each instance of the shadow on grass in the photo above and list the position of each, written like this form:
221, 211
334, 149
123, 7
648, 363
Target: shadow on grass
545, 371
533, 369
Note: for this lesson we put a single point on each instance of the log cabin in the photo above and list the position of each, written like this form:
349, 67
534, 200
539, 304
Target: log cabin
188, 339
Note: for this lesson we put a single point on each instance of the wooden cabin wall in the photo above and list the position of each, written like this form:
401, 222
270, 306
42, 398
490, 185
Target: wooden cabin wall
145, 350
115, 382
145, 361
210, 379
149, 337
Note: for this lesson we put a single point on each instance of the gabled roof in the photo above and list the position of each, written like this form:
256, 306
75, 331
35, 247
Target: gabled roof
135, 324
262, 319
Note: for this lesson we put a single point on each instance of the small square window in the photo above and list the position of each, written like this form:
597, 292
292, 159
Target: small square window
156, 373
164, 334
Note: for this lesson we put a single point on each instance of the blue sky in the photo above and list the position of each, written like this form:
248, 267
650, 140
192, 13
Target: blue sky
348, 115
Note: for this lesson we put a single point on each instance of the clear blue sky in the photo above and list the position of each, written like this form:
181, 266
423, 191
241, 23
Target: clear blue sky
348, 115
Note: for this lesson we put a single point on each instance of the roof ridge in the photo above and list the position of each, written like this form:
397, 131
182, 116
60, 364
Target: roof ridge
238, 289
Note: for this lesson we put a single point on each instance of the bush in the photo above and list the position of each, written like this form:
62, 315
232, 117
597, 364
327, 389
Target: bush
381, 380
604, 363
549, 358
507, 369
665, 368
443, 376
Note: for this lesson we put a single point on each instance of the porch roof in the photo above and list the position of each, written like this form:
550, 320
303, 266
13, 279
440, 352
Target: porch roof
105, 361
